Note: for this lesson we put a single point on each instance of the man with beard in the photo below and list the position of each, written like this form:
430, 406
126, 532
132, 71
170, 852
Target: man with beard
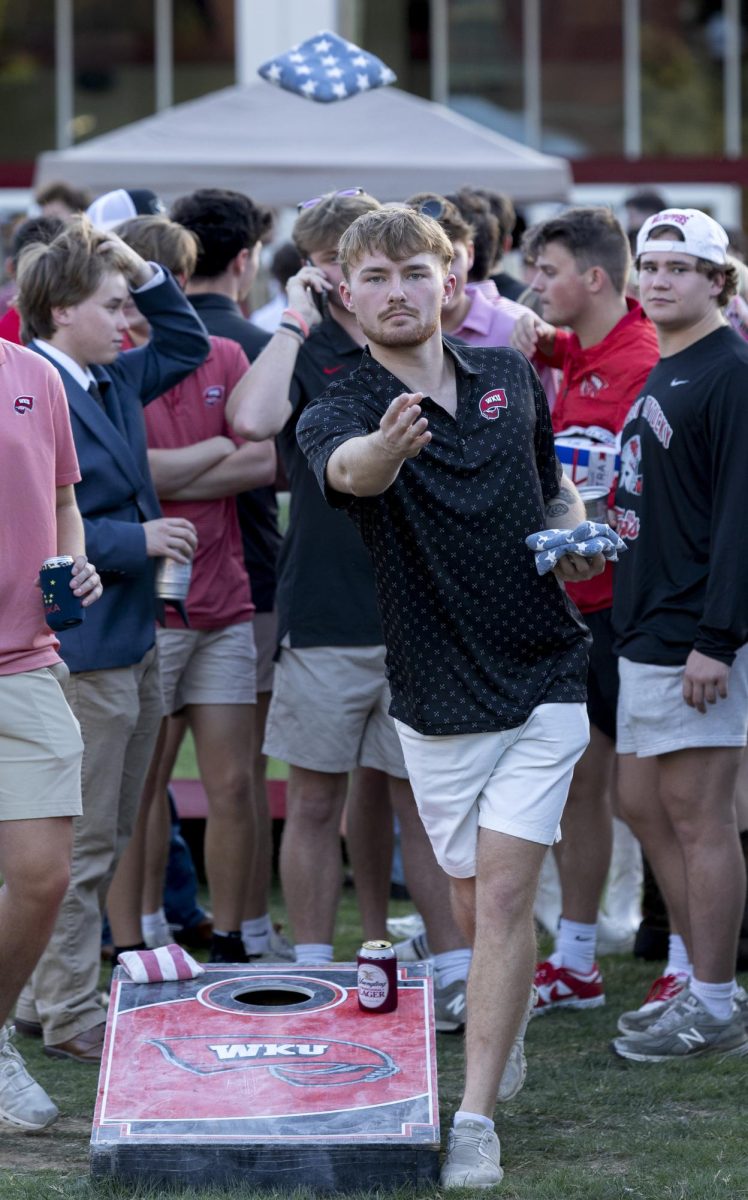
444, 458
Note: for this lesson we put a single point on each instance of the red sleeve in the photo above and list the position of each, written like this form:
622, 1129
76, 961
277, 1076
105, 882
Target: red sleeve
558, 354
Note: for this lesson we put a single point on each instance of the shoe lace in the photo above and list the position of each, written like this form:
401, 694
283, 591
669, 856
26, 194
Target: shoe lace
667, 987
683, 1009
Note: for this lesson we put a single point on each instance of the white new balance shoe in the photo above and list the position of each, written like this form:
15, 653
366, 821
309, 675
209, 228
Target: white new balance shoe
23, 1103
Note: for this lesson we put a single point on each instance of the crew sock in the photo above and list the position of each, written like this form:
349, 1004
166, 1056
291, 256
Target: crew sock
313, 952
575, 946
256, 934
451, 965
677, 957
464, 1115
716, 997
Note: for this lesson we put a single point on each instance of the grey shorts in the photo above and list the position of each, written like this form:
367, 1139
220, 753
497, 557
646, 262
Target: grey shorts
208, 666
265, 625
653, 717
329, 711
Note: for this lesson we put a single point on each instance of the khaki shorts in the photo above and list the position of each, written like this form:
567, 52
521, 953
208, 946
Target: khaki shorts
514, 781
40, 747
207, 666
653, 717
329, 711
265, 626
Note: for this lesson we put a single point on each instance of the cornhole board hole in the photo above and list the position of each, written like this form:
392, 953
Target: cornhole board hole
268, 1076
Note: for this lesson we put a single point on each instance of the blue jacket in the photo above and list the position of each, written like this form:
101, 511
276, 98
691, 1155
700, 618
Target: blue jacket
116, 494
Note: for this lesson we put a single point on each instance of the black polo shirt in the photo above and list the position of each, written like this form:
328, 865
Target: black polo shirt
476, 639
258, 508
326, 592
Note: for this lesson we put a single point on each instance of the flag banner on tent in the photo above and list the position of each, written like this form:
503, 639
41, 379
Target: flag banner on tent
327, 68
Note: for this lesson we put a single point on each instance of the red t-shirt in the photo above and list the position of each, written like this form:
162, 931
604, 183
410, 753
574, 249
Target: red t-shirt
37, 455
10, 326
191, 412
598, 386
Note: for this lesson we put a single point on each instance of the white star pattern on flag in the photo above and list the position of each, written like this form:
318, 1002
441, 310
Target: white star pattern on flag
326, 68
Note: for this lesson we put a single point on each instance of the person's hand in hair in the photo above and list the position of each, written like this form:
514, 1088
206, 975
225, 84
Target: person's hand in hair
137, 270
531, 334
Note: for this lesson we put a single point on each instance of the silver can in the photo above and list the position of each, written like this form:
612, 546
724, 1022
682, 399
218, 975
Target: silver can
173, 579
595, 500
64, 560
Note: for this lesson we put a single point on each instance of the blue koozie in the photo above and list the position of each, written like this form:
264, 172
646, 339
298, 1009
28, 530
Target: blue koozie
62, 608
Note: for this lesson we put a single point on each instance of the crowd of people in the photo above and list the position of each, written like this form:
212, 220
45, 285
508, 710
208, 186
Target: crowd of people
401, 647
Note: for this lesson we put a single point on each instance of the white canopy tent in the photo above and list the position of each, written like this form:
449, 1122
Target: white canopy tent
280, 148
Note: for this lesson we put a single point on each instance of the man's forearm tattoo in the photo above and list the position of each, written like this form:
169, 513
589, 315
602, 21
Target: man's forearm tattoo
561, 503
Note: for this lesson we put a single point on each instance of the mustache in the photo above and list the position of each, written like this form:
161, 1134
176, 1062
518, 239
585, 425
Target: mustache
401, 311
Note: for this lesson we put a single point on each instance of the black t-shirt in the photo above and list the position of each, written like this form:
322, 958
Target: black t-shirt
326, 594
258, 508
476, 639
683, 583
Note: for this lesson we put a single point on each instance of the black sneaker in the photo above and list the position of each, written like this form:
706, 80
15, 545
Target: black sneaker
227, 948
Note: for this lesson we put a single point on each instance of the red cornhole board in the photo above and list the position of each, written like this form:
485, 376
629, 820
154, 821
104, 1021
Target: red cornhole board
269, 1076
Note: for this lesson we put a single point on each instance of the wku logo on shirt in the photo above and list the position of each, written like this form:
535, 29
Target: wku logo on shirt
303, 1064
592, 384
213, 394
492, 403
23, 404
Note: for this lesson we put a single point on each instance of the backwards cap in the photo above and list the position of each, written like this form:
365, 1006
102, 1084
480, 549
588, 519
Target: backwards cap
702, 236
114, 207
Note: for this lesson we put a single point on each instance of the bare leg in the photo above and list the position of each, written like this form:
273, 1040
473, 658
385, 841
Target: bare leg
427, 882
741, 793
258, 879
370, 841
223, 740
159, 820
642, 808
310, 862
583, 854
35, 866
498, 903
697, 790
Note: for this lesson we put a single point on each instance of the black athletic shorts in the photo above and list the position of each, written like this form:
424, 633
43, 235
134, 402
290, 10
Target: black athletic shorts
602, 680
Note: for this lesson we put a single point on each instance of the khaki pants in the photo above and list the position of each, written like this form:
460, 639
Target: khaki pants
119, 712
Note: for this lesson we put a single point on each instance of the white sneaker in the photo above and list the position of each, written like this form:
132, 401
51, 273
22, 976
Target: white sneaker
515, 1071
450, 1006
413, 949
279, 949
473, 1157
23, 1103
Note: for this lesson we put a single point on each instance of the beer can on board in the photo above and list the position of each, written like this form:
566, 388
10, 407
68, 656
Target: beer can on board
173, 579
377, 977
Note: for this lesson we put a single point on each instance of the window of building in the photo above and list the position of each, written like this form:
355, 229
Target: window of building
486, 74
113, 65
27, 79
203, 47
682, 52
581, 51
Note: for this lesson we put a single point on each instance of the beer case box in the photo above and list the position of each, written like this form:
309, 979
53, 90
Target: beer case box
268, 1076
588, 463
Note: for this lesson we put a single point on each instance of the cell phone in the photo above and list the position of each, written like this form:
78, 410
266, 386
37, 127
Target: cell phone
321, 302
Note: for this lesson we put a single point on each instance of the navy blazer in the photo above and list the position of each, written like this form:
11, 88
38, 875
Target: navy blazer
116, 493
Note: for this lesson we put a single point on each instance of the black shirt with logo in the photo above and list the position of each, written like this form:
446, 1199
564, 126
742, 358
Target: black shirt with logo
683, 583
476, 639
326, 593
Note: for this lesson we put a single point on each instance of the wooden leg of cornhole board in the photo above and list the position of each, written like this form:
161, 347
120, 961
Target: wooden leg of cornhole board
268, 1076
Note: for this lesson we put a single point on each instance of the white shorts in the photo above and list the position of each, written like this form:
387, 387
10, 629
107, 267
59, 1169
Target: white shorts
208, 666
330, 711
653, 718
514, 782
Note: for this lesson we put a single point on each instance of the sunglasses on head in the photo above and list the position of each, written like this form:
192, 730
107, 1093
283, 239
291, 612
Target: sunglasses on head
431, 208
356, 191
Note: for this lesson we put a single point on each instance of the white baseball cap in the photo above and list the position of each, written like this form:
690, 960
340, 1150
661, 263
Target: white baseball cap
114, 207
702, 236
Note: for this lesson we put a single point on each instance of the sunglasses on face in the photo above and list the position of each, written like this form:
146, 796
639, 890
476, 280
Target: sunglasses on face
357, 191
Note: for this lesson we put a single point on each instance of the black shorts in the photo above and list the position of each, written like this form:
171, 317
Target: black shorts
602, 679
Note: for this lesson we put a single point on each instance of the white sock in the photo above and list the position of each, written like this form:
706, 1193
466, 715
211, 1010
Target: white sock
716, 997
677, 957
463, 1115
451, 965
256, 934
575, 946
313, 952
155, 926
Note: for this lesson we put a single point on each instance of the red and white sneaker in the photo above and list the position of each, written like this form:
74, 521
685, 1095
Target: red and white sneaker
662, 992
560, 987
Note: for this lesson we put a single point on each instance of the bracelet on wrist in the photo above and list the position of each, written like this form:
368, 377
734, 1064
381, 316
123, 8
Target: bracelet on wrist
303, 325
291, 331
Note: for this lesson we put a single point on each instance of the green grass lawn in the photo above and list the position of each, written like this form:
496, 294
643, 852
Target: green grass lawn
587, 1126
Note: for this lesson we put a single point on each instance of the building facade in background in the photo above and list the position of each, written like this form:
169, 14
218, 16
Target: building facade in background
630, 90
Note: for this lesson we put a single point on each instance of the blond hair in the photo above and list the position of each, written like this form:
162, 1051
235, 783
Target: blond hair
63, 273
321, 225
157, 239
397, 232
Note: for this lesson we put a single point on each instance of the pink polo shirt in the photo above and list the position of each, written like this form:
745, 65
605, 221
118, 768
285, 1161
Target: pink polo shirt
37, 455
490, 322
